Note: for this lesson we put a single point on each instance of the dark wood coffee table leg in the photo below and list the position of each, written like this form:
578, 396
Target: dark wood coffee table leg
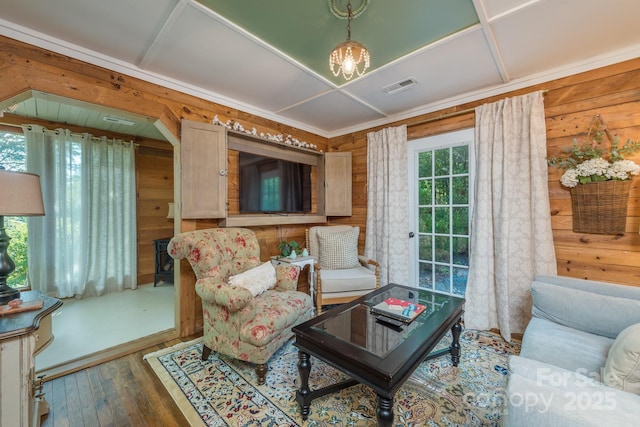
384, 411
455, 345
303, 396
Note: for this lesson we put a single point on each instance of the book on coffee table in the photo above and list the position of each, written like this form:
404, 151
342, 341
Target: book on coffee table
404, 311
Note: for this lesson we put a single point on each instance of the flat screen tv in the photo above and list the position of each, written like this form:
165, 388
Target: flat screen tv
270, 185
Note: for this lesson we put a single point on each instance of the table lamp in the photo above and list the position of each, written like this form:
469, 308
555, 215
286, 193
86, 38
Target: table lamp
20, 195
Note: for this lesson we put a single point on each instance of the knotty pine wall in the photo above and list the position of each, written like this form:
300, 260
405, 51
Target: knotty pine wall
24, 68
570, 103
154, 184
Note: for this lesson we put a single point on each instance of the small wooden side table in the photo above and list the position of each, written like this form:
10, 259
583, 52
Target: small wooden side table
22, 336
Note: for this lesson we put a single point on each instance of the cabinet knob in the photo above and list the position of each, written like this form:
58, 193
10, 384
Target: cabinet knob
223, 172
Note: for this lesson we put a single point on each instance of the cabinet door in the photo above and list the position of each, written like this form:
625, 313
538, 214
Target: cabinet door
203, 170
337, 170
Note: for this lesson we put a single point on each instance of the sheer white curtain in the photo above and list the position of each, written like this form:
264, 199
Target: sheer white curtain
387, 233
511, 236
86, 243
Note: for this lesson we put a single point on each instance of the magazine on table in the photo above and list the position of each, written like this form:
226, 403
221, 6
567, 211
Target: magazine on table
404, 311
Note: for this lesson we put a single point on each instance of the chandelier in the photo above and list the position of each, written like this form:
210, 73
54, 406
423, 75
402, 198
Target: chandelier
349, 57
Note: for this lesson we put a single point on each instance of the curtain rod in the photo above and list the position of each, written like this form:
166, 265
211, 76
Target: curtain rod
452, 114
93, 138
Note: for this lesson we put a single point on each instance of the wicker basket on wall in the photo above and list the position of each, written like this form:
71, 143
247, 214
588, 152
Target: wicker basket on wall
600, 207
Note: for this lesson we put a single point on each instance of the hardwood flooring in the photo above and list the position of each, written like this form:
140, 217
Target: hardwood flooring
120, 393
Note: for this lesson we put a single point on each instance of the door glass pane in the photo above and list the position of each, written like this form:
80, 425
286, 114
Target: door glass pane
442, 249
424, 192
460, 220
441, 162
461, 250
460, 157
442, 220
426, 247
460, 276
424, 164
443, 279
425, 220
460, 190
425, 279
442, 191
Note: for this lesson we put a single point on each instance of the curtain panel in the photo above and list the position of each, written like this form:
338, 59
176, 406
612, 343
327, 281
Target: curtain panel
511, 235
86, 243
387, 232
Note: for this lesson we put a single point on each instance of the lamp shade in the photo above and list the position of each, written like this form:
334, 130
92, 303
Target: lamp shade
20, 194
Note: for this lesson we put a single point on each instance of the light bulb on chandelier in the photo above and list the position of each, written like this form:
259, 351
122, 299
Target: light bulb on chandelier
349, 57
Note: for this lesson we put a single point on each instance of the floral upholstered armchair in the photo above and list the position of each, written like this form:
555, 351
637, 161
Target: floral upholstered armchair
237, 323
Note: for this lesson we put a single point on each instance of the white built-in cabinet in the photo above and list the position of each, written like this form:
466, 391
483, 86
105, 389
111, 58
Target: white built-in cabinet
337, 170
204, 183
203, 170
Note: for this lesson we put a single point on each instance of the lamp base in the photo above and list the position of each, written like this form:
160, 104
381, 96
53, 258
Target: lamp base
7, 294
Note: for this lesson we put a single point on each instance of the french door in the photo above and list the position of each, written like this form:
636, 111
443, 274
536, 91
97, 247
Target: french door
440, 195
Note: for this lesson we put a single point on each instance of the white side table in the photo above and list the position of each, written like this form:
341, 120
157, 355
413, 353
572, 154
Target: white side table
300, 261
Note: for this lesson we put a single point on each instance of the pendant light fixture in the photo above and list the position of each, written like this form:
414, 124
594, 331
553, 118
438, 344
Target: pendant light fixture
349, 57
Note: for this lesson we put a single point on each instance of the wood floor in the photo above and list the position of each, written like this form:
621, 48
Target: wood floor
120, 393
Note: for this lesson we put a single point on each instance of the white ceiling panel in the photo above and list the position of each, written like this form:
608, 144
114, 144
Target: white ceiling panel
553, 34
208, 53
183, 45
121, 29
461, 64
331, 111
497, 7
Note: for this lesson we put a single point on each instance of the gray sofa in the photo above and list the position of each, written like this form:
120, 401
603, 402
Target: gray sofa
558, 378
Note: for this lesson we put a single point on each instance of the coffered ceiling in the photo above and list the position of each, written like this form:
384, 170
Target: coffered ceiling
270, 58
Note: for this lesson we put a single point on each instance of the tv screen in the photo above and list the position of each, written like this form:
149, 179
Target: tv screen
270, 185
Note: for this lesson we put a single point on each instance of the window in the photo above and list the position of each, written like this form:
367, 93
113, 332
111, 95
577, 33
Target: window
441, 187
13, 157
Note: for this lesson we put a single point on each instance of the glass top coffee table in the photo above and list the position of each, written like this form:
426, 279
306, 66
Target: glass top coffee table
374, 349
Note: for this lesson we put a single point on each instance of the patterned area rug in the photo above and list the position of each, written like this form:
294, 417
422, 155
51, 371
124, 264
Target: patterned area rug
223, 391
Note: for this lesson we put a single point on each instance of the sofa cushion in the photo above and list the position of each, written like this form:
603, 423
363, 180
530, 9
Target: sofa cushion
353, 279
608, 315
256, 280
565, 347
338, 250
622, 368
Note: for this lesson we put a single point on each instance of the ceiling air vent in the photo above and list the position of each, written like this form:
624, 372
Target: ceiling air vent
400, 86
118, 121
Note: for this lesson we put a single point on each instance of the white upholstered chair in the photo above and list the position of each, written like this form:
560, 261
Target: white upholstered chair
341, 274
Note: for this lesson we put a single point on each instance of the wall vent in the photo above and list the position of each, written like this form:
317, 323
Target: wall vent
400, 86
118, 121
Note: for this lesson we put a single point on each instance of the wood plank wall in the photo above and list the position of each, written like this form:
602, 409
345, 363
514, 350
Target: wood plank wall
154, 182
570, 103
25, 67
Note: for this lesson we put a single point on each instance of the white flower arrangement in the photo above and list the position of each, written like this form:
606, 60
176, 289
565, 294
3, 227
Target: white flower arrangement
590, 162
